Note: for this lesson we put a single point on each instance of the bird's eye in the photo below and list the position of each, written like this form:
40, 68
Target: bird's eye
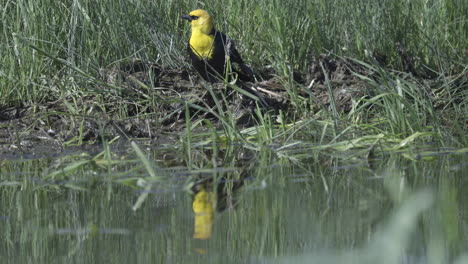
194, 17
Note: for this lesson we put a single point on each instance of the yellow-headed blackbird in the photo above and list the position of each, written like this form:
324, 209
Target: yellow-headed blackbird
210, 49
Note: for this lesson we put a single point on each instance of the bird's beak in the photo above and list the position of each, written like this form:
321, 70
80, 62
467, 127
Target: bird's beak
187, 17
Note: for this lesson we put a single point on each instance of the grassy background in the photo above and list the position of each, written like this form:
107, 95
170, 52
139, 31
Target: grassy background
53, 50
92, 35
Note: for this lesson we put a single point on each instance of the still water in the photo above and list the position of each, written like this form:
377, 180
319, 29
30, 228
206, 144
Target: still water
91, 207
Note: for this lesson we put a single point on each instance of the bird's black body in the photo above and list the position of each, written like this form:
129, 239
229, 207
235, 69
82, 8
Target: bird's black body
214, 69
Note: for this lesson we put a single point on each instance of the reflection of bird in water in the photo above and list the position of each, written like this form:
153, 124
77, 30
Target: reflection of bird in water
204, 203
216, 193
207, 200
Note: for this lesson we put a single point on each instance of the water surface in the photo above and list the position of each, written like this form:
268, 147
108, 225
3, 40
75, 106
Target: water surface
249, 208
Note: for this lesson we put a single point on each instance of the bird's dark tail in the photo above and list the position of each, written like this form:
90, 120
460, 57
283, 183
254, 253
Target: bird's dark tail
246, 73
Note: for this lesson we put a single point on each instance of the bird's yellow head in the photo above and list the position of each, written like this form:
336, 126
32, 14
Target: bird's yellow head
200, 20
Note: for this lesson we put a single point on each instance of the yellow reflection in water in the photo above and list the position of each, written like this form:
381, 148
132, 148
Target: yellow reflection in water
204, 204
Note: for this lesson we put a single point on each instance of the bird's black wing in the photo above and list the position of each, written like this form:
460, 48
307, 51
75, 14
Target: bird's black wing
229, 48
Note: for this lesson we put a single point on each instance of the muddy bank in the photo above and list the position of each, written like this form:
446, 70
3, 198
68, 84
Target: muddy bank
143, 100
